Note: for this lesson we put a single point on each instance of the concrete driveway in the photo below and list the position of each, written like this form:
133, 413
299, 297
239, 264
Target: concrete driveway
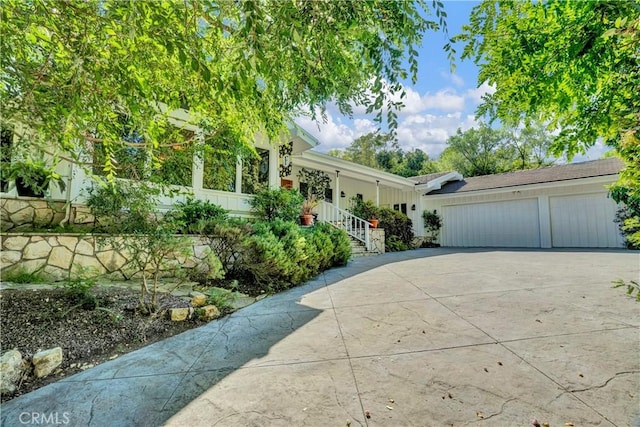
432, 337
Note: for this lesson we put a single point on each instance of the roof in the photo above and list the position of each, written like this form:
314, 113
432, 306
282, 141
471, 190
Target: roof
423, 179
595, 168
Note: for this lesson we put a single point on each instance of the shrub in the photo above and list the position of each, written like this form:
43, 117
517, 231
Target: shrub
280, 254
191, 216
265, 263
222, 298
432, 225
283, 204
319, 250
124, 208
226, 241
78, 290
628, 220
130, 208
398, 229
365, 210
341, 244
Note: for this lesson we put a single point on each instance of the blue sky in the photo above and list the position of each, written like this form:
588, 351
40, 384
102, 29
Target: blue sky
435, 107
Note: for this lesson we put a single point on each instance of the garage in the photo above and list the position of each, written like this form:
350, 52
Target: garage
497, 224
564, 206
571, 216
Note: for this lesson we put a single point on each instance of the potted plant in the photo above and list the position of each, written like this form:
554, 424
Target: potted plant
317, 182
32, 177
306, 212
365, 210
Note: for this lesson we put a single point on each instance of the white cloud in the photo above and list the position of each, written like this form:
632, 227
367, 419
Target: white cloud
446, 100
333, 133
426, 122
453, 78
457, 80
430, 132
475, 95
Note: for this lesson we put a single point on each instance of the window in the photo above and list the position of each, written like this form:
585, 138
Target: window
255, 172
175, 161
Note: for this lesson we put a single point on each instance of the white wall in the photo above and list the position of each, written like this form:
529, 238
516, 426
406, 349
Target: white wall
561, 212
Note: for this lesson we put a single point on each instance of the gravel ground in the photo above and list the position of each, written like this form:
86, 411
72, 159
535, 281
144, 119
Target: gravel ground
34, 320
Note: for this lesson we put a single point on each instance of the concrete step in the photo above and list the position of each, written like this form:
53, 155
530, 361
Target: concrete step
358, 249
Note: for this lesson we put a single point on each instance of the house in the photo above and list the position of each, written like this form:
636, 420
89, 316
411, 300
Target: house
563, 206
559, 206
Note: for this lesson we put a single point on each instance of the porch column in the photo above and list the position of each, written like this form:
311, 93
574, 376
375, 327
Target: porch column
239, 175
197, 167
338, 189
274, 168
377, 193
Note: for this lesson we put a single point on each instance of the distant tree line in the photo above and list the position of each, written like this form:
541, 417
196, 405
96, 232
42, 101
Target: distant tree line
476, 151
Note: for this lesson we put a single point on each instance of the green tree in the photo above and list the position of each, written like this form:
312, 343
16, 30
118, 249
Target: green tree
573, 64
363, 150
531, 147
481, 151
71, 70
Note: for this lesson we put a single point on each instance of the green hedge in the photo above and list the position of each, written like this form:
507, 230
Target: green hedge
280, 254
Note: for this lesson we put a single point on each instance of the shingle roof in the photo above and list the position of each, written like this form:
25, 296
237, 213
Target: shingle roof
423, 179
611, 166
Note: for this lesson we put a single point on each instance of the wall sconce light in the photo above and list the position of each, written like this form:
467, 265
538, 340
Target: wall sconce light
413, 207
342, 194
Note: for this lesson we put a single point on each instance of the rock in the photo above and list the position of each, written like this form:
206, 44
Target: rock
11, 367
84, 248
209, 312
36, 250
15, 243
179, 314
8, 258
198, 300
88, 262
111, 260
60, 257
44, 362
68, 242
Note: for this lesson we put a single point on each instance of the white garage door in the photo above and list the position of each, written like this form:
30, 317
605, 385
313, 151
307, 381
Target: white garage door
495, 224
584, 221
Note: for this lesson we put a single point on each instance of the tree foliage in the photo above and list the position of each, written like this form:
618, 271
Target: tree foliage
479, 151
72, 70
574, 64
485, 150
380, 151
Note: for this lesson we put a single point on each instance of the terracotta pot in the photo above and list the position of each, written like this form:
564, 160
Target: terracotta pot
306, 219
374, 223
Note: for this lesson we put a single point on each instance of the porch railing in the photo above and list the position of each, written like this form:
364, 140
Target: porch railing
355, 227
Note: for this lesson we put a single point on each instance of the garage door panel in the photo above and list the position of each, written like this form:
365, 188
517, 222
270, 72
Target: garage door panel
493, 224
584, 221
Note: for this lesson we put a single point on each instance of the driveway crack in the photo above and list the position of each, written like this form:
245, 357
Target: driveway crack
578, 390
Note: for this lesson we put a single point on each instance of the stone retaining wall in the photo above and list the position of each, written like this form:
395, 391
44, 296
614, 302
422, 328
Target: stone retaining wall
28, 213
377, 240
61, 256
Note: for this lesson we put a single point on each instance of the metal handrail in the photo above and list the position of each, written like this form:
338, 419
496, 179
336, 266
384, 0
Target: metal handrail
355, 227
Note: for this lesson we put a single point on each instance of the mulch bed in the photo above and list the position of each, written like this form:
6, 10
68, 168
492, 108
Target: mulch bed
35, 320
